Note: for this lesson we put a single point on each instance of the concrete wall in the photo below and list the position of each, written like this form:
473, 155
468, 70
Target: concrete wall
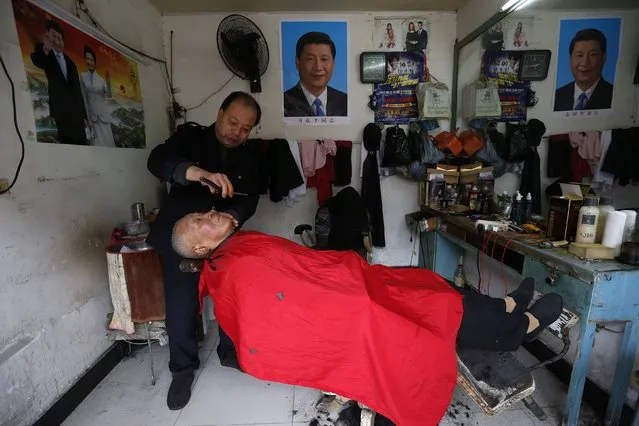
54, 294
199, 71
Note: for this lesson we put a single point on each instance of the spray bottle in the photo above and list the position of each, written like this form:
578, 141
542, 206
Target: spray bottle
528, 209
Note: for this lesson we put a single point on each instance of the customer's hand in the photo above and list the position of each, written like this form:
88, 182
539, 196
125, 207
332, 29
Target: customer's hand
194, 173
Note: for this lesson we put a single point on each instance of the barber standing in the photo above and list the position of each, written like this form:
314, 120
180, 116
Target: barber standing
220, 154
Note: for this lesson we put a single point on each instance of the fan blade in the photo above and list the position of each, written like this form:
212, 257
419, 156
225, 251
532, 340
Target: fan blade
226, 40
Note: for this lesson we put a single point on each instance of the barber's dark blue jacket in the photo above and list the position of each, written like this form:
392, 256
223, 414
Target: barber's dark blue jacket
193, 144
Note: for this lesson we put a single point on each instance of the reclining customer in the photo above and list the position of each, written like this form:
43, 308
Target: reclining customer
385, 337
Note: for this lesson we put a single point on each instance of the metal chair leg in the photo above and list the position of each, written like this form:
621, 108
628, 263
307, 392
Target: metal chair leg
368, 416
148, 341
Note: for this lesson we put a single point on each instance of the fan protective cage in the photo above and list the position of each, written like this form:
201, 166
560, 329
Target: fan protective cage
234, 27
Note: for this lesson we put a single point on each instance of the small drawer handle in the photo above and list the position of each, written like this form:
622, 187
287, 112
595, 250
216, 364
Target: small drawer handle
550, 280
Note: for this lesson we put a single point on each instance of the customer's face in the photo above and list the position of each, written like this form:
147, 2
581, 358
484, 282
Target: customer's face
315, 66
204, 231
586, 62
234, 125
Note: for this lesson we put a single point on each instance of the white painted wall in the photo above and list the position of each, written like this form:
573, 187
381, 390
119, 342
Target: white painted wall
199, 70
54, 293
475, 13
546, 33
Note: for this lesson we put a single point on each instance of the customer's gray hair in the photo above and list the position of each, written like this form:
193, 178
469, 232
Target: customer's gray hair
180, 243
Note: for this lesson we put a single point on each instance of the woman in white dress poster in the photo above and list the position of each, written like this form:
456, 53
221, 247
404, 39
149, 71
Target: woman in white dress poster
96, 93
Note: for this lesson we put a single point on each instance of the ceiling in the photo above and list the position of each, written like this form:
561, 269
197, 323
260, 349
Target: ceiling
581, 4
168, 7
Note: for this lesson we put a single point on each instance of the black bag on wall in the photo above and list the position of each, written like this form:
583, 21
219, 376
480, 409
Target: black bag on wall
396, 148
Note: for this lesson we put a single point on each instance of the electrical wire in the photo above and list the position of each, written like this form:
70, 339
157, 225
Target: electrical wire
503, 271
414, 244
168, 79
81, 5
83, 8
481, 260
491, 262
15, 124
211, 95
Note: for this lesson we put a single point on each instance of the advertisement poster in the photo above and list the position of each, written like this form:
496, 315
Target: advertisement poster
314, 72
396, 99
502, 67
83, 92
408, 34
586, 66
518, 33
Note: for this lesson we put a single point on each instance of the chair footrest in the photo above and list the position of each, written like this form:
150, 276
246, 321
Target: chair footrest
494, 380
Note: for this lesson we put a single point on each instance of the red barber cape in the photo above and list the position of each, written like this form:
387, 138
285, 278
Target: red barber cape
382, 336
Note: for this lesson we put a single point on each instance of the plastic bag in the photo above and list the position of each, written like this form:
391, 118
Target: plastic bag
433, 101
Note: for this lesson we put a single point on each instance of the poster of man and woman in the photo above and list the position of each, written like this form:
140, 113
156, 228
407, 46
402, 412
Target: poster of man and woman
83, 91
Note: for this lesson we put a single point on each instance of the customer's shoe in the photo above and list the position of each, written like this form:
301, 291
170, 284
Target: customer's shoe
547, 310
180, 389
230, 360
523, 295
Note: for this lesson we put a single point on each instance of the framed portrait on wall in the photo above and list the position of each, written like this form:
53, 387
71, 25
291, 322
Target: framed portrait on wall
587, 58
84, 90
315, 72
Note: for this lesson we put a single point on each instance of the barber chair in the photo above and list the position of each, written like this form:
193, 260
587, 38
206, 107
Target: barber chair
497, 380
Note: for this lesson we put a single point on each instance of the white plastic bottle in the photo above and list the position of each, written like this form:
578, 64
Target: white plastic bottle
587, 223
605, 207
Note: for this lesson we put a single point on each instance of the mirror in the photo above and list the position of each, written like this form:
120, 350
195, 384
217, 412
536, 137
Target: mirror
569, 64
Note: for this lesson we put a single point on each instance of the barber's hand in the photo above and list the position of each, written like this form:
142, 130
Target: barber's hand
194, 173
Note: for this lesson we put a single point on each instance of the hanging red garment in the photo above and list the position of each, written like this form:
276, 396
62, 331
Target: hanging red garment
579, 168
382, 336
323, 180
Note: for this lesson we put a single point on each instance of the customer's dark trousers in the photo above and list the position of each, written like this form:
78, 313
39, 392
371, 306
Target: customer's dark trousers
486, 324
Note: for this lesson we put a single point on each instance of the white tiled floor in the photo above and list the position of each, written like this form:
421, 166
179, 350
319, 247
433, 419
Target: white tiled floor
225, 397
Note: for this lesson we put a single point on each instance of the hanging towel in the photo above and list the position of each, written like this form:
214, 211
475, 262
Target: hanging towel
599, 175
297, 192
314, 152
588, 146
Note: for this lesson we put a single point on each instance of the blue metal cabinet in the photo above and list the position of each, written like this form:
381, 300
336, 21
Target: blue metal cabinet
598, 292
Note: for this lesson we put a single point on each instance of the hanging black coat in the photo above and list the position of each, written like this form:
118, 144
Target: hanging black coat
372, 196
278, 171
531, 175
531, 179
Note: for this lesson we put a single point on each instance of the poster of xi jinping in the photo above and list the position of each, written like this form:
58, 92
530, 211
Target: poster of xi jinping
586, 66
315, 72
83, 91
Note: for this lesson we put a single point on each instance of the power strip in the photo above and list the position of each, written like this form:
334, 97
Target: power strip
492, 226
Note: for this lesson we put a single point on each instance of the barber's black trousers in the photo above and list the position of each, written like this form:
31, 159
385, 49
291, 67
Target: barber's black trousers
486, 325
182, 307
